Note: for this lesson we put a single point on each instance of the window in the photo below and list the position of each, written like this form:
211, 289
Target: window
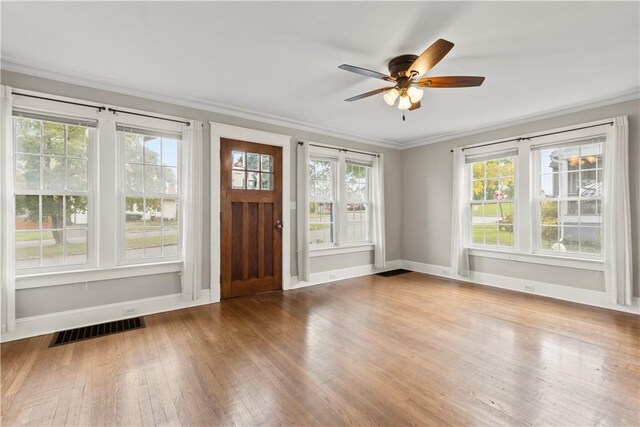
339, 199
322, 201
52, 197
251, 171
541, 195
151, 193
492, 202
357, 199
568, 197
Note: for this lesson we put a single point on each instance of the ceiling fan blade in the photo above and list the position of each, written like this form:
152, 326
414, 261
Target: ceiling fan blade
415, 106
367, 94
367, 73
450, 81
430, 57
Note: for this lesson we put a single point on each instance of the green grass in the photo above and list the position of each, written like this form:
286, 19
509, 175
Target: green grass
492, 235
141, 242
492, 209
81, 248
315, 227
50, 251
25, 236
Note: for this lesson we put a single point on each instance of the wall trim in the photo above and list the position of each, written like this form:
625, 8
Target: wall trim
565, 293
342, 274
27, 327
558, 112
95, 82
96, 274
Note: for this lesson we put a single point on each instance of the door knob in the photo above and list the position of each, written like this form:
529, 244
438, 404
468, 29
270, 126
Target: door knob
278, 224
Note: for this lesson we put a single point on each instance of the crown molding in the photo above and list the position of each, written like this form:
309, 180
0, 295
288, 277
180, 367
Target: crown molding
583, 106
9, 64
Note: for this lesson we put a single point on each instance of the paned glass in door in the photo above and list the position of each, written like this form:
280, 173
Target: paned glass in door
251, 171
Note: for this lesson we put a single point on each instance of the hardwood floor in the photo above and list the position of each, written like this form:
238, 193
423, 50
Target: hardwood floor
410, 349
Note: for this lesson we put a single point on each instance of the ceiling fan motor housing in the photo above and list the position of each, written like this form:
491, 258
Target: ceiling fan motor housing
399, 65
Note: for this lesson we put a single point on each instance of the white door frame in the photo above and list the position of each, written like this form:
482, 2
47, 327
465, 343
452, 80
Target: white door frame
219, 131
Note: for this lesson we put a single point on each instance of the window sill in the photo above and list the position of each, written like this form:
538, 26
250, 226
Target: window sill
559, 261
96, 274
338, 250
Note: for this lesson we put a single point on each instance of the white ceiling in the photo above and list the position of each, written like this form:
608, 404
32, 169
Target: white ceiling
280, 59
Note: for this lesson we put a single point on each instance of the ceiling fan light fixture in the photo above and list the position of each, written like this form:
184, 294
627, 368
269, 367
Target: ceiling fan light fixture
404, 102
415, 94
391, 96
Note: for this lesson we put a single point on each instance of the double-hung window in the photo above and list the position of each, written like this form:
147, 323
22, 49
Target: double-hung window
539, 196
492, 204
322, 201
150, 194
92, 190
568, 190
53, 201
357, 201
339, 199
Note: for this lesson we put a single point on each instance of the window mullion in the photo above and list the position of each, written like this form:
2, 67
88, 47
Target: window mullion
106, 222
341, 199
524, 205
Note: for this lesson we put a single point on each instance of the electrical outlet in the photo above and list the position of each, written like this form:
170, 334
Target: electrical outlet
129, 311
445, 272
528, 288
333, 276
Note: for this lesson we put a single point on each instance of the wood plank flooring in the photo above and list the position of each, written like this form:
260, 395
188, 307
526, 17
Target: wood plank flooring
410, 349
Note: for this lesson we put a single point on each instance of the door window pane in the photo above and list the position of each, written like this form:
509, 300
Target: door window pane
237, 160
253, 182
253, 161
238, 179
266, 179
266, 162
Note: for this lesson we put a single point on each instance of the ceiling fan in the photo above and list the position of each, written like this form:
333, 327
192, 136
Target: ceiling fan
405, 70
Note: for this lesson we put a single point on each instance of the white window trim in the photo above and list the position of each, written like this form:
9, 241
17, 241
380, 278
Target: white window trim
345, 249
90, 275
103, 263
341, 245
525, 224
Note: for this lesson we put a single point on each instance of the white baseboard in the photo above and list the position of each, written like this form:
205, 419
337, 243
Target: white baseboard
566, 293
341, 274
47, 323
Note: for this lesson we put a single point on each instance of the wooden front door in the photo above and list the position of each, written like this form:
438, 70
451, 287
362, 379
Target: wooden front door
251, 218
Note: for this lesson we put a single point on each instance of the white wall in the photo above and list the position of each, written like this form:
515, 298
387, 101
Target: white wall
52, 299
426, 201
